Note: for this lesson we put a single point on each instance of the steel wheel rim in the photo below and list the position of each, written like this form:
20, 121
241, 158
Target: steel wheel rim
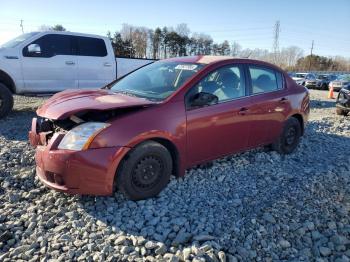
147, 172
290, 136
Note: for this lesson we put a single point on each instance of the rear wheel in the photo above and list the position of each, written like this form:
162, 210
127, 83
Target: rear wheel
6, 101
290, 137
341, 112
145, 172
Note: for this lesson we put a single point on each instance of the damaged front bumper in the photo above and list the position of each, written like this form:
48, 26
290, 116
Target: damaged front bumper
85, 172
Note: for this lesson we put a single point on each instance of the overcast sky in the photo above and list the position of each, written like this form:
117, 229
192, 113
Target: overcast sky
249, 22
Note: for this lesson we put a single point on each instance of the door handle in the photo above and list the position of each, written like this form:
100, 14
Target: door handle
283, 100
107, 64
243, 111
70, 63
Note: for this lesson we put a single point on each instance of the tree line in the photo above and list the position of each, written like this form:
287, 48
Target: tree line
160, 43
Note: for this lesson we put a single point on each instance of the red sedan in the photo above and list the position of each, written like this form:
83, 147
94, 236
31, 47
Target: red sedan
162, 119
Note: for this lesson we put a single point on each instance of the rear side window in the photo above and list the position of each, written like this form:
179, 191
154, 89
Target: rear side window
49, 46
88, 46
265, 79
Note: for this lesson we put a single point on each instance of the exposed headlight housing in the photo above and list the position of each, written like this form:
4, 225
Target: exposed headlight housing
81, 136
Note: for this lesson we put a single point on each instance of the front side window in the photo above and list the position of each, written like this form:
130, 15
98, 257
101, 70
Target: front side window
226, 83
89, 46
265, 80
156, 81
49, 46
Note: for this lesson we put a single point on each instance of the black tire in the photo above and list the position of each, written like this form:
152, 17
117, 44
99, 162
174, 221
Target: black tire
290, 137
6, 101
324, 87
145, 171
341, 112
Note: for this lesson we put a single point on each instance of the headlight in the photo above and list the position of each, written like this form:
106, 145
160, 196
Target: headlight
80, 137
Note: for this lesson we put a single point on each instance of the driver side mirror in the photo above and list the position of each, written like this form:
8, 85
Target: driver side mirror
203, 99
34, 49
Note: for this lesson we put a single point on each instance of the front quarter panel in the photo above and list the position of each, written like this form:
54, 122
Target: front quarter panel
166, 121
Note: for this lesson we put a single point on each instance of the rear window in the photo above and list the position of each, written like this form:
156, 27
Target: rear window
89, 46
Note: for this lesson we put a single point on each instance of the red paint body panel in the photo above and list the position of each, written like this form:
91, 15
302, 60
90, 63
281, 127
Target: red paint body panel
199, 135
69, 102
83, 172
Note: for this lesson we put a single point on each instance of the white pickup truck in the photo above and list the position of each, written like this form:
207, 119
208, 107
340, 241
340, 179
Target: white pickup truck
49, 62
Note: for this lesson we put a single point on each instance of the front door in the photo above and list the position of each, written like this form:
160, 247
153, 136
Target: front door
222, 128
48, 64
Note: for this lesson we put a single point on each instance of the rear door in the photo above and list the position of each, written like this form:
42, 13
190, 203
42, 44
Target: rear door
95, 67
222, 128
270, 104
52, 67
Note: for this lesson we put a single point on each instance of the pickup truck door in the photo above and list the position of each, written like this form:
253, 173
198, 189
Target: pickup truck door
96, 62
48, 64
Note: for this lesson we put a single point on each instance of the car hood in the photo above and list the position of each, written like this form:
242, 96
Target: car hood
69, 102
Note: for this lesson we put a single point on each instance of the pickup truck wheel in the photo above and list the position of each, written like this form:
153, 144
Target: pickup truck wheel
145, 172
290, 137
341, 112
6, 100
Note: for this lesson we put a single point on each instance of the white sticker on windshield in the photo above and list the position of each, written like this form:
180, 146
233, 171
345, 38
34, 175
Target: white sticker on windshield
186, 67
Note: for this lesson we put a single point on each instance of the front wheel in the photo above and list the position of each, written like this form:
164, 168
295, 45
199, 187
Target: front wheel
341, 112
290, 137
6, 101
145, 171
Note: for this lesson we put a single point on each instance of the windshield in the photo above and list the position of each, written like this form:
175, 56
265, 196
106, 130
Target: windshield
325, 77
300, 75
19, 39
156, 81
344, 77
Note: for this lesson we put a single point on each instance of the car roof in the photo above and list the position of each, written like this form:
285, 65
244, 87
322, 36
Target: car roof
209, 59
71, 33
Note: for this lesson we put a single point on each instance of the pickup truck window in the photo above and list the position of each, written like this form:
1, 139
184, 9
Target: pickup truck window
88, 46
49, 46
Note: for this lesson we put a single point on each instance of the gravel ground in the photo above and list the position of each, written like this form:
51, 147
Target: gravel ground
253, 206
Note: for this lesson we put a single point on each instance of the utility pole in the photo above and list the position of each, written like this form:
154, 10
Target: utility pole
21, 25
310, 59
276, 31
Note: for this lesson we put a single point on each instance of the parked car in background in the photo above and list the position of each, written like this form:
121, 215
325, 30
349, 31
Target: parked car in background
340, 82
49, 62
305, 79
323, 80
343, 101
162, 119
